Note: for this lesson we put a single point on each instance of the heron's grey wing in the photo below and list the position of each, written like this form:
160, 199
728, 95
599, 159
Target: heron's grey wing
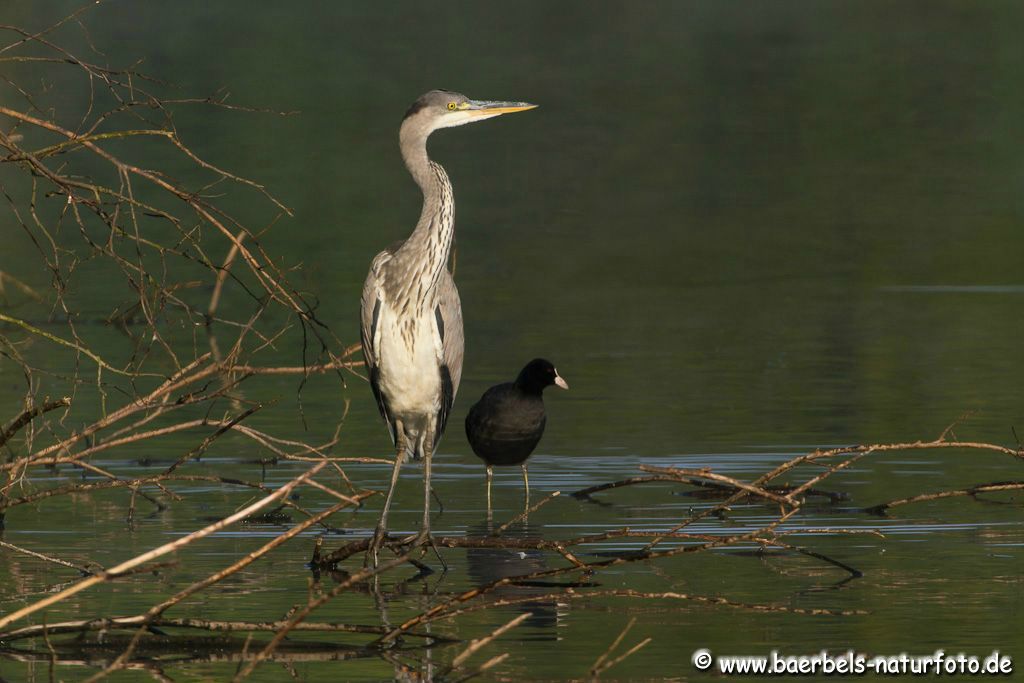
448, 315
369, 314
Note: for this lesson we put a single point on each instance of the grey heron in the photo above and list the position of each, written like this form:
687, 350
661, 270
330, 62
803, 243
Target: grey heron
506, 424
411, 316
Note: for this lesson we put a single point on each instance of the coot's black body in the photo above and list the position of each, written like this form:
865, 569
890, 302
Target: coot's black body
506, 424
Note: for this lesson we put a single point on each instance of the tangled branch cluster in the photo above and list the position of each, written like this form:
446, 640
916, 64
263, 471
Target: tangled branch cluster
91, 213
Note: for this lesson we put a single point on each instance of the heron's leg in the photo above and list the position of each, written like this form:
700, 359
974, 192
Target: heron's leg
526, 483
424, 535
382, 523
427, 456
490, 476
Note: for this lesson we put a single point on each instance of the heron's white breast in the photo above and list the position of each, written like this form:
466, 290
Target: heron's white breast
408, 353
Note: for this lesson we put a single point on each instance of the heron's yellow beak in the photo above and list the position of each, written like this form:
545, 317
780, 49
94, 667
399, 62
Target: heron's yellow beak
476, 108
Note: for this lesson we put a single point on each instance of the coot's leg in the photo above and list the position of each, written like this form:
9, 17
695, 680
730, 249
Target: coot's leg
490, 476
526, 483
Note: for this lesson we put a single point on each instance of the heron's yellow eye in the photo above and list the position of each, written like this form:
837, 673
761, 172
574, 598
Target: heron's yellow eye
451, 106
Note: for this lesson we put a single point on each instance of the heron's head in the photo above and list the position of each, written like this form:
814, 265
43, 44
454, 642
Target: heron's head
444, 109
539, 374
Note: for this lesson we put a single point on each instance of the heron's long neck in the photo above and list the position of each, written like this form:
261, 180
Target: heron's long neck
425, 253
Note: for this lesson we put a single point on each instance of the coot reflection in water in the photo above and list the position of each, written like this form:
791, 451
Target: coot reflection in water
490, 564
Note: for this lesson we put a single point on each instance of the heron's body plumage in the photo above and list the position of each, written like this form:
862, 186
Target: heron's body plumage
412, 324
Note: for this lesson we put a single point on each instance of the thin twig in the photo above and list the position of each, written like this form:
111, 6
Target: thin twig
478, 643
596, 666
489, 664
27, 416
526, 513
56, 560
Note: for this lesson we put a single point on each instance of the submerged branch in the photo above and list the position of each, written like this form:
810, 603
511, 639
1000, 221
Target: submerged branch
975, 490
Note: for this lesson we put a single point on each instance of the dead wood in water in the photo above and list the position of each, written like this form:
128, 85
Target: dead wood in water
485, 596
971, 491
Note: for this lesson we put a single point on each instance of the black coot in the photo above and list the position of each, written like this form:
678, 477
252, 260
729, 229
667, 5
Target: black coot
506, 424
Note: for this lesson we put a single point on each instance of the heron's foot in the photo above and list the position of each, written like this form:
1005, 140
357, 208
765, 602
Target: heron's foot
428, 539
424, 539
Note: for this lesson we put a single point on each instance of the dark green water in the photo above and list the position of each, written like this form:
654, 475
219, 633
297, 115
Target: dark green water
741, 231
